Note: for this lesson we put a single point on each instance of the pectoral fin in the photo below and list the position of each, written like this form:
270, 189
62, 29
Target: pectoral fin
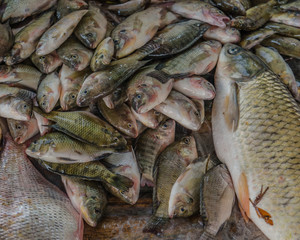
243, 196
231, 111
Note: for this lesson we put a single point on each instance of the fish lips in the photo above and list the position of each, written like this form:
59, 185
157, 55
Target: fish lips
138, 104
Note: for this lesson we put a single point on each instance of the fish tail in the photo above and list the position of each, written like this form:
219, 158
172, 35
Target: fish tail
207, 236
121, 182
155, 224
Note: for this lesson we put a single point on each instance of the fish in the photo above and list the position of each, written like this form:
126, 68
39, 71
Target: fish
87, 197
254, 38
284, 30
223, 35
27, 39
277, 64
48, 92
102, 83
288, 18
64, 7
150, 119
149, 145
121, 118
47, 63
30, 204
202, 11
195, 87
198, 60
293, 6
58, 33
125, 165
15, 108
284, 45
136, 30
265, 111
20, 74
217, 198
87, 127
116, 98
182, 110
42, 123
92, 171
128, 8
185, 194
145, 92
71, 82
7, 90
237, 7
170, 164
103, 54
168, 18
92, 28
21, 131
18, 10
7, 39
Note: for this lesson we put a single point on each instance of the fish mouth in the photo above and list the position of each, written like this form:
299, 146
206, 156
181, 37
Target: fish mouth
86, 217
137, 105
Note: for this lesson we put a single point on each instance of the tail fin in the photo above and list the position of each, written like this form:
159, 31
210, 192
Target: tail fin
155, 225
121, 182
207, 236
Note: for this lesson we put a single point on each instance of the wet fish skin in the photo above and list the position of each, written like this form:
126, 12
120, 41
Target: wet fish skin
58, 33
149, 145
150, 119
129, 7
48, 92
15, 108
103, 54
236, 7
7, 90
64, 7
7, 39
47, 63
223, 35
293, 6
116, 98
263, 97
217, 198
42, 123
87, 197
288, 18
254, 38
284, 30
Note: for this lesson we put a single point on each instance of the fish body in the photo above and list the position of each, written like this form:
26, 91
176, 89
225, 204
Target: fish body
254, 38
7, 90
47, 63
150, 119
15, 108
284, 30
237, 7
64, 7
256, 134
129, 7
103, 54
223, 35
116, 98
293, 6
288, 18
7, 39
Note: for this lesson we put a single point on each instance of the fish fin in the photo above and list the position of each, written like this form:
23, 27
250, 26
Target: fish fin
146, 182
202, 209
121, 182
103, 156
232, 109
246, 219
66, 159
160, 76
155, 224
243, 195
207, 235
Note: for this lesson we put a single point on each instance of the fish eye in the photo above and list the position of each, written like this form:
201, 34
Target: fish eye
233, 51
43, 103
143, 85
165, 125
182, 209
25, 106
85, 91
35, 142
74, 56
97, 211
123, 31
89, 35
129, 125
73, 96
186, 140
101, 56
19, 127
139, 96
42, 58
156, 112
197, 113
115, 139
116, 42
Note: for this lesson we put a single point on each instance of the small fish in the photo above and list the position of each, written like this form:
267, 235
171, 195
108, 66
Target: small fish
15, 108
6, 40
237, 7
181, 109
6, 90
74, 54
42, 123
58, 33
195, 87
21, 131
88, 198
223, 35
150, 119
47, 63
217, 198
149, 145
288, 18
128, 8
293, 6
48, 92
103, 54
64, 7
284, 30
254, 38
116, 98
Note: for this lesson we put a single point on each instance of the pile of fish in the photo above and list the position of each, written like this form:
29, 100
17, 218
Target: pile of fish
115, 96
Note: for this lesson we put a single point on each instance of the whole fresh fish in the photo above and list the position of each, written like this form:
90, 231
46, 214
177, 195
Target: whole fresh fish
58, 33
7, 39
136, 30
128, 8
31, 207
64, 7
237, 7
284, 45
116, 98
27, 39
21, 131
24, 75
102, 83
92, 171
18, 10
283, 29
198, 60
88, 198
145, 92
48, 92
277, 64
71, 82
125, 165
6, 90
149, 145
200, 11
86, 126
103, 54
185, 194
254, 38
150, 119
195, 87
223, 35
293, 6
42, 123
170, 164
15, 108
92, 28
74, 54
268, 158
121, 118
217, 198
47, 63
182, 110
288, 18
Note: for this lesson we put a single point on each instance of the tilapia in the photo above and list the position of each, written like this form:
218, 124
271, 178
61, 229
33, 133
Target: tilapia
129, 7
150, 119
88, 198
7, 39
254, 38
237, 7
283, 29
57, 34
181, 109
47, 63
293, 6
256, 129
149, 145
217, 198
64, 7
223, 35
116, 98
30, 204
288, 18
6, 90
42, 123
103, 54
15, 108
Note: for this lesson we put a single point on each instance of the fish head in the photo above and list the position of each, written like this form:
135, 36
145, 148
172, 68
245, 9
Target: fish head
42, 62
216, 16
166, 128
5, 72
186, 149
89, 37
213, 46
68, 100
92, 209
47, 101
24, 108
183, 205
124, 42
116, 96
74, 60
139, 102
40, 147
17, 129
